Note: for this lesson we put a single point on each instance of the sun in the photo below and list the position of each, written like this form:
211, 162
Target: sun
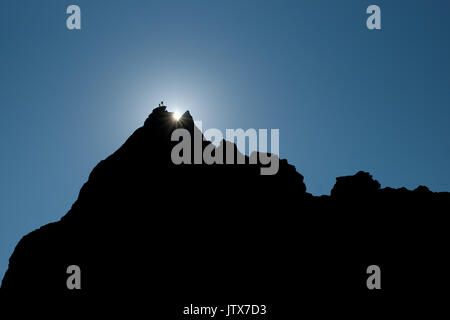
176, 115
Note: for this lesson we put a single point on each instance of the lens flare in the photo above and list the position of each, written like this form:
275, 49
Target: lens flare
176, 115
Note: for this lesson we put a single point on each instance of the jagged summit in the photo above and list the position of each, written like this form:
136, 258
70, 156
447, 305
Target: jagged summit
146, 229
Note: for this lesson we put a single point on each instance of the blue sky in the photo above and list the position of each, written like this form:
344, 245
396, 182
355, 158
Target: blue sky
344, 98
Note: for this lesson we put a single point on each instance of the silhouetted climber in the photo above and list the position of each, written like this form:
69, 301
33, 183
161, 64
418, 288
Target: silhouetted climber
161, 107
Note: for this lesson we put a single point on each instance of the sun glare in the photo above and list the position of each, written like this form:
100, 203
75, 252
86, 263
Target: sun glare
176, 115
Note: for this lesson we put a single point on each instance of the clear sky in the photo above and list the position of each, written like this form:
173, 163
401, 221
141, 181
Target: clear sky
344, 98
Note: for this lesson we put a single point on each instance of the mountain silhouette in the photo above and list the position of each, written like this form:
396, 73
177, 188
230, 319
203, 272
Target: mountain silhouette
150, 234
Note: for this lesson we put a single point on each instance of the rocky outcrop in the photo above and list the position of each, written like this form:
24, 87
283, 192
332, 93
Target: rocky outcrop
145, 231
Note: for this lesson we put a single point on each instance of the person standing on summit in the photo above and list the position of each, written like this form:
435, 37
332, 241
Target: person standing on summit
161, 107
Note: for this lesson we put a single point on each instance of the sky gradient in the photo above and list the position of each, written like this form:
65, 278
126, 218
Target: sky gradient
344, 98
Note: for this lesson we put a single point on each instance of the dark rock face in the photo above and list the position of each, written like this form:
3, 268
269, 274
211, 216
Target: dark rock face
361, 184
146, 232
